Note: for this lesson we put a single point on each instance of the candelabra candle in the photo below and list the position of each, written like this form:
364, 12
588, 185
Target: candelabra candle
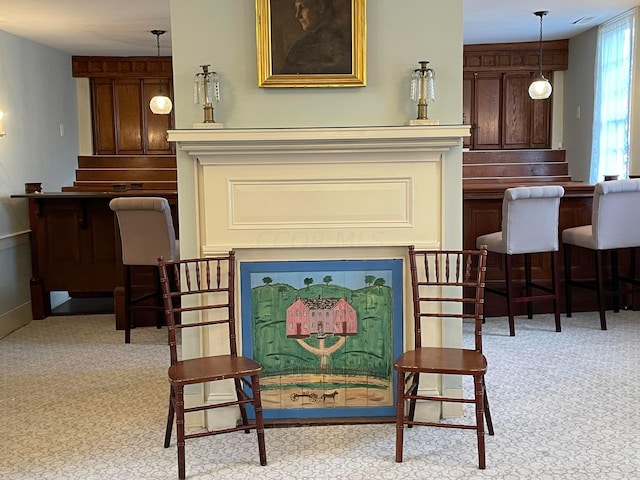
423, 88
206, 88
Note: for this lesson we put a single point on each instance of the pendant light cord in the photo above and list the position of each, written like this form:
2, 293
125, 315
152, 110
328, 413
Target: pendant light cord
157, 33
540, 14
539, 53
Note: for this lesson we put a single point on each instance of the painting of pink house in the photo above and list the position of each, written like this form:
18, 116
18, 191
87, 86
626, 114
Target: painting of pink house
321, 316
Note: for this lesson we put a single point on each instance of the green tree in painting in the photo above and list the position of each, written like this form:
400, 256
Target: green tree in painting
379, 282
369, 279
267, 280
308, 281
327, 280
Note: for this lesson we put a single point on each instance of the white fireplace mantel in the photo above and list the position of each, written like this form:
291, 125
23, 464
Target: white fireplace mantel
263, 144
325, 187
282, 194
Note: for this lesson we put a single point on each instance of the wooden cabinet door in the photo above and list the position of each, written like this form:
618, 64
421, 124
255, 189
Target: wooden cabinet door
516, 127
129, 111
541, 119
104, 116
488, 111
156, 125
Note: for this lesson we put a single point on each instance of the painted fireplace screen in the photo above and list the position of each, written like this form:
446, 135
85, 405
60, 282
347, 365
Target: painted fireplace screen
326, 334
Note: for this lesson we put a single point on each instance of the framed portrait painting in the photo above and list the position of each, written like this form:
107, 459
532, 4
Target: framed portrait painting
311, 43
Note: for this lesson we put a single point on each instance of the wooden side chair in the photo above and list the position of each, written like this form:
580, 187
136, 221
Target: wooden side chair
204, 288
614, 226
146, 233
448, 285
529, 225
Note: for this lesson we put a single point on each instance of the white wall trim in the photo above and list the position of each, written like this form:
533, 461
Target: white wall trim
15, 319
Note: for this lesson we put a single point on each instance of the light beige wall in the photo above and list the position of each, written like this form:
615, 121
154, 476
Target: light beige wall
37, 96
223, 34
579, 96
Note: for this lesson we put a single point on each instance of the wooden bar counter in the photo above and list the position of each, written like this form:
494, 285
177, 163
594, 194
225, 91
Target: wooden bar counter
75, 246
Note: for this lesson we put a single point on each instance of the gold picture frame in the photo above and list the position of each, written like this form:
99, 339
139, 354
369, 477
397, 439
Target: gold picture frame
285, 33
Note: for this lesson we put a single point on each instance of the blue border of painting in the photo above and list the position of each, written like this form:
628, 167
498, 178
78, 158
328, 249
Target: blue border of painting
394, 265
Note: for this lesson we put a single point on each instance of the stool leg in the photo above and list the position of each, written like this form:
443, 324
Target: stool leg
527, 283
508, 265
600, 289
128, 316
567, 278
555, 282
615, 280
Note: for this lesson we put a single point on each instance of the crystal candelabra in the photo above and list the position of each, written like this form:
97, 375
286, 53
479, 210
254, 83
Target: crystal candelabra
206, 89
423, 92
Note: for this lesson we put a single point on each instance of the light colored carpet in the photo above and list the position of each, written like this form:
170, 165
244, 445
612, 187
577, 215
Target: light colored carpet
77, 403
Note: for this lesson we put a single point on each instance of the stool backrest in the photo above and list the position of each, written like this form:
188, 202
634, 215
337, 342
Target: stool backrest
530, 218
146, 229
615, 217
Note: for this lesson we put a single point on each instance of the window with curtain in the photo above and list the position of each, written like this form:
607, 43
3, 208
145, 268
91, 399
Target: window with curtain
612, 108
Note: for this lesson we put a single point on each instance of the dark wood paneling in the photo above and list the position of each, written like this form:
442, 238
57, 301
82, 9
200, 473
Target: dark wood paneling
522, 56
121, 88
513, 156
129, 108
104, 117
488, 108
156, 125
516, 126
121, 67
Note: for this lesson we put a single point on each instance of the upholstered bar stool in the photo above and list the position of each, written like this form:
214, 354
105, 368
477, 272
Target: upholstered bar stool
529, 225
615, 224
146, 233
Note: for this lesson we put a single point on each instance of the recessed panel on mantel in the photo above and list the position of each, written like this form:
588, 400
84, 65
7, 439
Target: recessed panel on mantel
328, 203
325, 205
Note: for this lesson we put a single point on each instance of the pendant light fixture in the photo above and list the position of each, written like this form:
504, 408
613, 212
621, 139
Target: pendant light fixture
160, 104
540, 88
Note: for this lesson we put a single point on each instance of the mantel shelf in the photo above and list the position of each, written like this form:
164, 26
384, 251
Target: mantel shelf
203, 142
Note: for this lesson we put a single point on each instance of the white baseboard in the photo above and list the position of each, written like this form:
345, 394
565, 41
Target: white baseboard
15, 319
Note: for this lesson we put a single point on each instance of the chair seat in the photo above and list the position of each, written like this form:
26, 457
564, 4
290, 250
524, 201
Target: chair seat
581, 236
493, 241
208, 369
442, 360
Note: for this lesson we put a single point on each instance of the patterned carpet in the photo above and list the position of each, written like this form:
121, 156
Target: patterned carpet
77, 403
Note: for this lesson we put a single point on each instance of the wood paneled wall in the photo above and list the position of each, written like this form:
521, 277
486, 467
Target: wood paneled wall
121, 88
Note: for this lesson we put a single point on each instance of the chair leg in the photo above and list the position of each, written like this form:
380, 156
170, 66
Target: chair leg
243, 408
527, 283
600, 289
508, 264
555, 283
479, 400
399, 414
615, 280
128, 316
487, 411
179, 410
257, 406
158, 300
170, 415
415, 383
567, 278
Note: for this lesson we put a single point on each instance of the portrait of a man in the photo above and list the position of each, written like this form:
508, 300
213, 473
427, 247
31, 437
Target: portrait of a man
325, 43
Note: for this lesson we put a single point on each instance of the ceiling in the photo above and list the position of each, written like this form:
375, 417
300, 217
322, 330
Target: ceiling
122, 27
